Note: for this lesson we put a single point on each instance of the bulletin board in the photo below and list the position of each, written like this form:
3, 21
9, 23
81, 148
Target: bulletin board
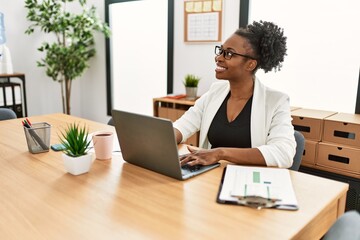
202, 20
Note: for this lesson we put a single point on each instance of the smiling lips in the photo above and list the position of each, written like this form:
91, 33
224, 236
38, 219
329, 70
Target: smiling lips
219, 69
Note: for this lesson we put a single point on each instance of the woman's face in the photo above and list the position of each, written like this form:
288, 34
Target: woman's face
238, 66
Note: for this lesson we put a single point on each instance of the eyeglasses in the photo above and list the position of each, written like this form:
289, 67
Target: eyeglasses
228, 54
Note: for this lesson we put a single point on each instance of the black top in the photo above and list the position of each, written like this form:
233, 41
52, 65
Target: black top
223, 133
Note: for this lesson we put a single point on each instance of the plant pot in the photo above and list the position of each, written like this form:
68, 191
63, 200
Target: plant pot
78, 165
191, 93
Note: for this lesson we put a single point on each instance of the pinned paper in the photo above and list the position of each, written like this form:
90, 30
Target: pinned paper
207, 6
189, 6
198, 7
217, 5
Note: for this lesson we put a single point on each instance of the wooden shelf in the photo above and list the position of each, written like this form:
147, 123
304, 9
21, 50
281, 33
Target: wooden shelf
8, 79
173, 109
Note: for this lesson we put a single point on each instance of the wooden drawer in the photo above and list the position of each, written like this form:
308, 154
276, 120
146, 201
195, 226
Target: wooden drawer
173, 109
342, 128
170, 113
310, 122
173, 114
310, 152
340, 157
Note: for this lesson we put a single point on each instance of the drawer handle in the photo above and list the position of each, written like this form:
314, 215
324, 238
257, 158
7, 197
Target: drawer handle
342, 134
338, 159
302, 128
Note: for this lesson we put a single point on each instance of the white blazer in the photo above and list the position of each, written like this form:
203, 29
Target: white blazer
271, 129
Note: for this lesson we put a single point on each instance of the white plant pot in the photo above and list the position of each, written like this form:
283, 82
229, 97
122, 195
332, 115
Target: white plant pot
78, 165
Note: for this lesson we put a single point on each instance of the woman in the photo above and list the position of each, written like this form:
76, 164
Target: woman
240, 119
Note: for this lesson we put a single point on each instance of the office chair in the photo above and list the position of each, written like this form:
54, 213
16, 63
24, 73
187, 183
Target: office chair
111, 122
300, 145
6, 113
345, 227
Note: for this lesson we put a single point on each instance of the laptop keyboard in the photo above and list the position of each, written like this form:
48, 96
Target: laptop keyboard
191, 168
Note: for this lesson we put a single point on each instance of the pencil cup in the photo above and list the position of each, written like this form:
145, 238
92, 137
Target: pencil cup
38, 137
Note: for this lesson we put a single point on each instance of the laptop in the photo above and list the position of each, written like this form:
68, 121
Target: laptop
149, 142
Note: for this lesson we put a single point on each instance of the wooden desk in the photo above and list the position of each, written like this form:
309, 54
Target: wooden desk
117, 200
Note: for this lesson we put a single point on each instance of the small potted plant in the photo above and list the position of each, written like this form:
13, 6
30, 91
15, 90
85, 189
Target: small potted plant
76, 141
191, 83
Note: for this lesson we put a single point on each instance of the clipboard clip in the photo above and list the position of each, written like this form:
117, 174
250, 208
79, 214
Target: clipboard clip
257, 202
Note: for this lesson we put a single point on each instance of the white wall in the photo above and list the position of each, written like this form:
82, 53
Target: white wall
89, 91
321, 69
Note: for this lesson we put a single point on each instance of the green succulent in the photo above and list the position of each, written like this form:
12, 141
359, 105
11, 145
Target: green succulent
75, 140
191, 80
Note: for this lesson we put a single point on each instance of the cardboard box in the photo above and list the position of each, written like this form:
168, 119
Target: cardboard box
310, 152
339, 157
342, 128
292, 108
310, 122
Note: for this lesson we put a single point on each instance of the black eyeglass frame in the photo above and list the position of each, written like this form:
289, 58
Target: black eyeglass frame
224, 52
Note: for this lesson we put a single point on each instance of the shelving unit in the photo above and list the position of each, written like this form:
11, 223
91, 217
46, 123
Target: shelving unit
332, 148
173, 109
11, 98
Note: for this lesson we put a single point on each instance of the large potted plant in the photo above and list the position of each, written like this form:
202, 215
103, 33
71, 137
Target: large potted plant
191, 83
66, 58
75, 140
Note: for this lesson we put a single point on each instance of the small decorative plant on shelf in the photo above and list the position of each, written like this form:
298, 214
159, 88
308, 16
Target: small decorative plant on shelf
76, 142
191, 80
191, 83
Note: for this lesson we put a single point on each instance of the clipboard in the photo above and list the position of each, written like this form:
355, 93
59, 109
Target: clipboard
284, 200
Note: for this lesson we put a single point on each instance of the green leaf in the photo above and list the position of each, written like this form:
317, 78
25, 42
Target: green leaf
75, 140
191, 80
67, 56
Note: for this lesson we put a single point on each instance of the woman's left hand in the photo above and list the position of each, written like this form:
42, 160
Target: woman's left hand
199, 156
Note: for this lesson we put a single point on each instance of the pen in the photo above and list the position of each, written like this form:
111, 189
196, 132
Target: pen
25, 124
28, 121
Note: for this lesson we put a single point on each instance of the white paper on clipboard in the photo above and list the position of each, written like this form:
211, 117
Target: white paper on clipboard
267, 183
